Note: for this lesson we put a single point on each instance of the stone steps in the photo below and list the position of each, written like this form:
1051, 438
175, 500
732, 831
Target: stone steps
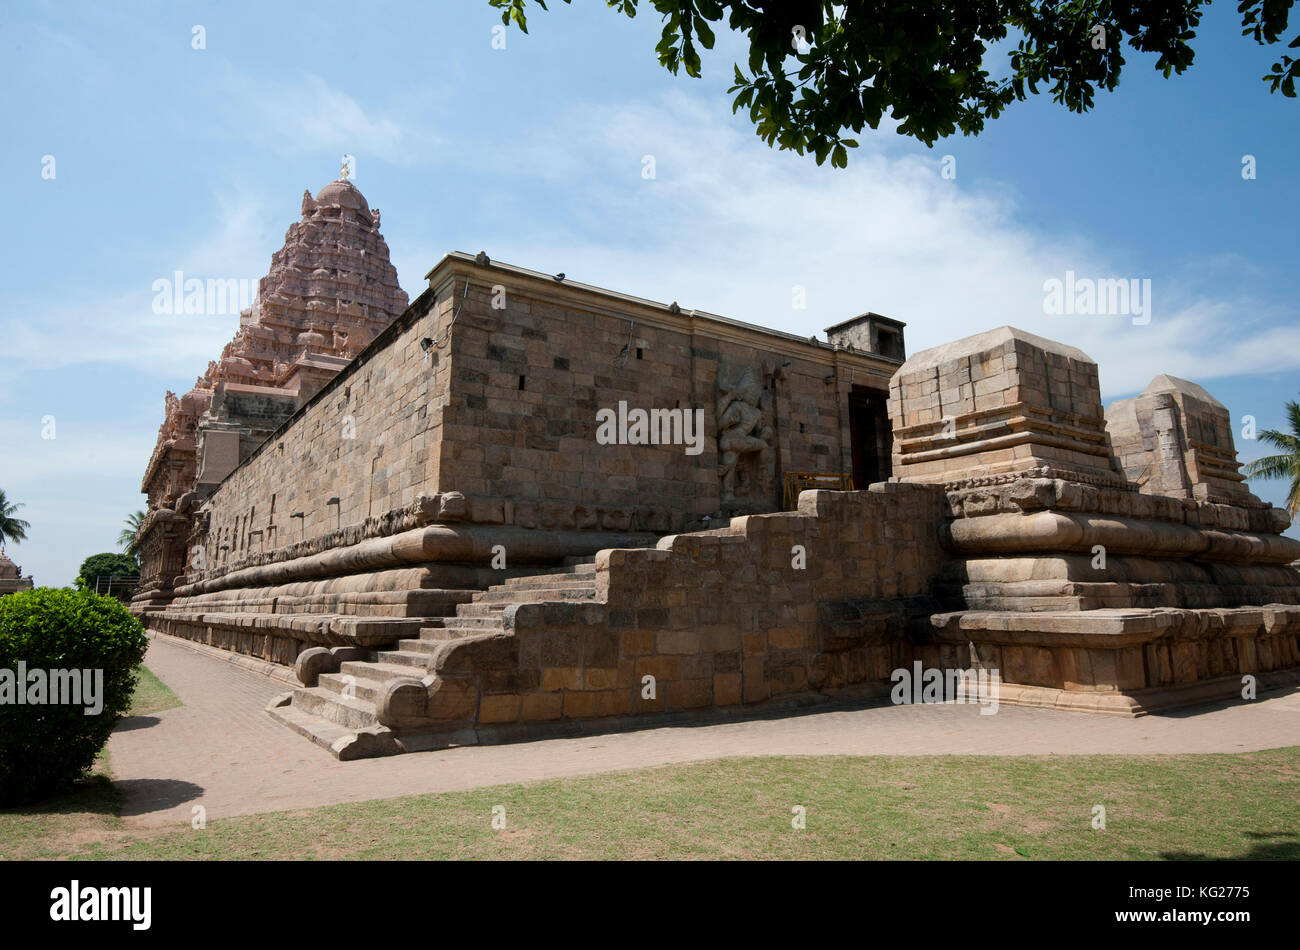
349, 712
321, 731
342, 742
368, 677
455, 628
366, 689
579, 573
416, 664
533, 595
477, 609
339, 713
431, 637
490, 622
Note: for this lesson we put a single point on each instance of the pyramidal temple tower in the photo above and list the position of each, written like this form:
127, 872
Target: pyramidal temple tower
331, 290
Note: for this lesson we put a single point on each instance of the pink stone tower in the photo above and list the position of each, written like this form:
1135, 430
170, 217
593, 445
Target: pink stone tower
330, 290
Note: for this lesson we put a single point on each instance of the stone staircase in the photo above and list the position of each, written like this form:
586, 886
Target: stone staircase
339, 712
482, 615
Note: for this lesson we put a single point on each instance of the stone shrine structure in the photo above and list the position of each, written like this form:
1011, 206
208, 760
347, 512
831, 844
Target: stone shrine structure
531, 507
1082, 590
1176, 440
330, 290
11, 577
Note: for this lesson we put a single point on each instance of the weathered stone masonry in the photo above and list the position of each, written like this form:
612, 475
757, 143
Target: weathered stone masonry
826, 598
718, 619
329, 291
440, 546
434, 424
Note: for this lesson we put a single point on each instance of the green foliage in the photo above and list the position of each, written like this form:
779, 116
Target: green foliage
127, 536
922, 61
44, 748
107, 564
1286, 465
12, 528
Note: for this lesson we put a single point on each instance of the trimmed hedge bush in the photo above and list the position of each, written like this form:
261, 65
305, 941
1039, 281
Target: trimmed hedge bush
46, 746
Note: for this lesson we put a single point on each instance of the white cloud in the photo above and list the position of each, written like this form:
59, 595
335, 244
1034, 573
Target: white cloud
77, 447
309, 114
729, 226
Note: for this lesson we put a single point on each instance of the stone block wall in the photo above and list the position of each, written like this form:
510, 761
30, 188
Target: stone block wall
719, 618
1082, 590
1042, 544
520, 433
369, 439
502, 408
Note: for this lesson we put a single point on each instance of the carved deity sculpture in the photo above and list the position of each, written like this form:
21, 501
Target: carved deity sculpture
740, 405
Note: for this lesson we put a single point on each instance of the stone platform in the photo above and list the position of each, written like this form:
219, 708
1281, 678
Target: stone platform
1127, 662
1013, 542
1108, 562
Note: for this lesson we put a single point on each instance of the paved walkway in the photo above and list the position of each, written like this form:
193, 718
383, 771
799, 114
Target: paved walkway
223, 751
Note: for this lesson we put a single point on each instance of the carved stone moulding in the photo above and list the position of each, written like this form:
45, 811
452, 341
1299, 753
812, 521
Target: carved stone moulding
996, 405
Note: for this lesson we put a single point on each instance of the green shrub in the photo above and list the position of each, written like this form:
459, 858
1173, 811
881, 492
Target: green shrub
45, 747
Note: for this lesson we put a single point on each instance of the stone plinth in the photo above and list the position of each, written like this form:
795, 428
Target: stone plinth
1038, 544
1100, 600
1127, 662
723, 618
1083, 591
998, 404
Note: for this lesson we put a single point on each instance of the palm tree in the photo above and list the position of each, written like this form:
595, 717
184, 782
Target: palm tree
127, 536
1286, 465
12, 528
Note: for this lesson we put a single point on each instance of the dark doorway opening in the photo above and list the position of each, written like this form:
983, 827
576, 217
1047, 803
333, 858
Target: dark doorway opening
870, 435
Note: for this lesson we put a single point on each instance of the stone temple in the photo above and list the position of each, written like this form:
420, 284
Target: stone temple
523, 506
11, 577
330, 291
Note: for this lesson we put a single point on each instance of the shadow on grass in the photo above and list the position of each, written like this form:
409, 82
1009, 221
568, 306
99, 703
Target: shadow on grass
141, 796
94, 795
1269, 846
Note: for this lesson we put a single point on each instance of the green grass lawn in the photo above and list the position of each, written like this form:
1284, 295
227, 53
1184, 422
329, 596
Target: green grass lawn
983, 807
151, 695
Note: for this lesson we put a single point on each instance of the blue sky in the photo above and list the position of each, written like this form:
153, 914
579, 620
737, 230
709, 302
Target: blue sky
169, 158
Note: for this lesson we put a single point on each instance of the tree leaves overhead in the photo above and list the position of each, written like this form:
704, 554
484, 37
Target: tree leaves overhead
923, 62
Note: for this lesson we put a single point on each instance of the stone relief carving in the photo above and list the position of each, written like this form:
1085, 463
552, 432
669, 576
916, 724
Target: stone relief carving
742, 403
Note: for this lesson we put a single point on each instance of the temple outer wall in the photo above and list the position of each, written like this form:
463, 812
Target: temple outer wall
434, 405
369, 438
535, 360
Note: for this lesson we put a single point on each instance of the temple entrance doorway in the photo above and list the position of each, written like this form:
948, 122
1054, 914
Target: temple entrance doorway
870, 435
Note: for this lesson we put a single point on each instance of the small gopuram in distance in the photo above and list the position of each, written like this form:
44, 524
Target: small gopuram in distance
11, 577
533, 507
